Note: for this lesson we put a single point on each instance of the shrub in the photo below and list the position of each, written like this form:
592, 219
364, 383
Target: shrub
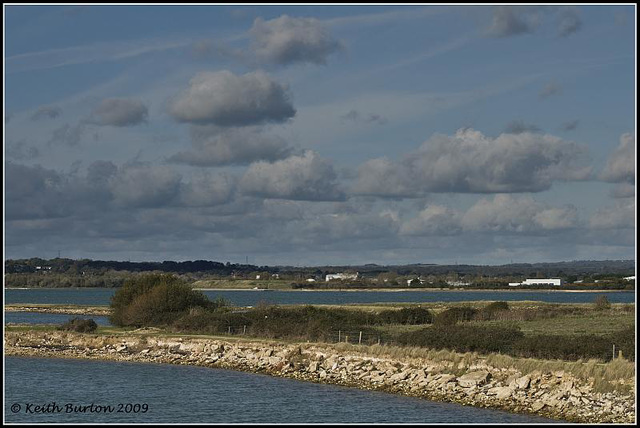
154, 300
564, 347
463, 338
451, 316
497, 306
410, 316
305, 323
625, 341
601, 303
491, 311
79, 325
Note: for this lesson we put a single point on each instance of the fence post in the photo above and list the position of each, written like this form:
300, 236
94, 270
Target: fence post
346, 338
378, 340
244, 330
360, 339
229, 331
339, 334
614, 351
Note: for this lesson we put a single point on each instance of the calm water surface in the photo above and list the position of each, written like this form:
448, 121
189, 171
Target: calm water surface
46, 318
102, 296
196, 394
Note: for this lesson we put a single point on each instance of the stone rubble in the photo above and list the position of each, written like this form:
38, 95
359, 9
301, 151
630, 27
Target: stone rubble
555, 395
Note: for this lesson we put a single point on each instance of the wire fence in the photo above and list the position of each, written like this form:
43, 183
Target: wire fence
354, 337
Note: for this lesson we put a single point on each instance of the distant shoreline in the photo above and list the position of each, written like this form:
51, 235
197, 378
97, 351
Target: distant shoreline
389, 290
421, 289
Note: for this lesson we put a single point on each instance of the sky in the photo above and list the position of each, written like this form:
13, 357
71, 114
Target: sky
314, 134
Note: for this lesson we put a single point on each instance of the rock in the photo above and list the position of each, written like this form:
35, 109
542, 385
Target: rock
523, 382
445, 378
313, 367
474, 379
537, 405
399, 376
501, 392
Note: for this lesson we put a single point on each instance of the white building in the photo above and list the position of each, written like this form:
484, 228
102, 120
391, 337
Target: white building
341, 276
458, 283
543, 281
630, 278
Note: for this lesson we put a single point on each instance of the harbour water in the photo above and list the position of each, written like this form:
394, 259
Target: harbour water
48, 390
48, 318
102, 296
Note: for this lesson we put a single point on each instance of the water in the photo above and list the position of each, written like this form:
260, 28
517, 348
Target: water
102, 296
187, 394
47, 318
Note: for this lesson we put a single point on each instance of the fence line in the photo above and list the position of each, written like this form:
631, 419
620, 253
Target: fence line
354, 337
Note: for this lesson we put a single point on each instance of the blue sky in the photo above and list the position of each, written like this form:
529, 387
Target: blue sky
320, 134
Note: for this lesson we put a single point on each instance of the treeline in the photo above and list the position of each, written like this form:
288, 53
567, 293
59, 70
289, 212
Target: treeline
166, 301
570, 271
63, 265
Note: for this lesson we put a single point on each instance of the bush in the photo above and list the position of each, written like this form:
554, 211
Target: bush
490, 311
79, 325
564, 347
410, 316
154, 299
625, 341
463, 338
303, 323
497, 306
601, 303
451, 316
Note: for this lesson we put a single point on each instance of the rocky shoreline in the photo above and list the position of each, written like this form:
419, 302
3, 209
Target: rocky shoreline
555, 395
60, 309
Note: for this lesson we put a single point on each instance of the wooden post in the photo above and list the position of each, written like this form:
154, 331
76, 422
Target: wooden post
339, 334
360, 339
614, 351
378, 340
244, 330
229, 330
346, 339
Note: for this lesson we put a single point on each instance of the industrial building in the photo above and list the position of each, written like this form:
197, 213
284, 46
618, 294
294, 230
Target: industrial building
341, 276
537, 281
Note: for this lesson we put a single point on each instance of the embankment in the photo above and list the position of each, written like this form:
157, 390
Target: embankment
552, 394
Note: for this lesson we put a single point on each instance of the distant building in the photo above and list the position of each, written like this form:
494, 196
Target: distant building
409, 281
630, 278
544, 281
458, 283
341, 276
311, 280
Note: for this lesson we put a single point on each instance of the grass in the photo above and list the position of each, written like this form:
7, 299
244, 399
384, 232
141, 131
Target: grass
598, 323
